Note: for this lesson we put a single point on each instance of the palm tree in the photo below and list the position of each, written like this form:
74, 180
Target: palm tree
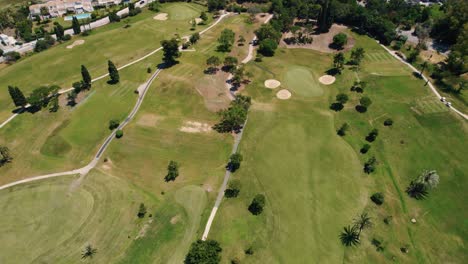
362, 222
349, 236
417, 190
429, 178
88, 252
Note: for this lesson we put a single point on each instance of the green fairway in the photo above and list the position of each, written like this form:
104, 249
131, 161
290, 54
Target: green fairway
302, 82
313, 179
61, 66
51, 221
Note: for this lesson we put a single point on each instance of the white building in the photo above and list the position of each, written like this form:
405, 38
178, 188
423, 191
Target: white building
58, 8
106, 2
7, 41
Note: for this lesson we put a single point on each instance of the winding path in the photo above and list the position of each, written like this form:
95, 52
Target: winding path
237, 140
142, 92
433, 89
120, 68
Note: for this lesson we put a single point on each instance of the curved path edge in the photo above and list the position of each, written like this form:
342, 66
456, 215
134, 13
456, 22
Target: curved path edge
84, 170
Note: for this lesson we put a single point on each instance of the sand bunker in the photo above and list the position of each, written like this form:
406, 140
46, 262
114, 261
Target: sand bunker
272, 84
197, 20
195, 127
76, 43
327, 79
162, 16
283, 94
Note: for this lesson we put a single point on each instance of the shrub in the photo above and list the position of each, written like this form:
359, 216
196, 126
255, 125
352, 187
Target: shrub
249, 251
365, 148
343, 129
233, 189
387, 220
388, 122
66, 37
203, 252
119, 133
372, 135
378, 244
113, 124
148, 70
172, 171
234, 162
339, 40
336, 107
369, 166
342, 98
141, 211
377, 198
256, 207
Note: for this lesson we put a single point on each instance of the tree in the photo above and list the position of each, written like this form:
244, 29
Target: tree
372, 135
234, 162
241, 40
113, 124
119, 133
417, 190
40, 97
257, 204
213, 62
369, 165
377, 198
359, 86
113, 72
229, 63
233, 189
154, 6
388, 122
343, 129
59, 31
338, 62
349, 236
365, 148
267, 31
204, 252
238, 76
267, 47
363, 221
325, 19
203, 17
339, 40
226, 40
76, 26
71, 98
171, 51
141, 211
214, 5
364, 103
88, 252
17, 96
194, 38
342, 98
357, 55
54, 104
86, 77
5, 156
172, 171
12, 56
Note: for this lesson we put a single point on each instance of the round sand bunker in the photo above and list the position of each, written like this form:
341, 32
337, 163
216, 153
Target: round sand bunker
327, 79
76, 43
162, 16
283, 94
272, 84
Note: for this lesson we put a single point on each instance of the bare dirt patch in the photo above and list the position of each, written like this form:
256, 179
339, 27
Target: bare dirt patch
197, 21
149, 120
195, 127
327, 79
76, 43
212, 88
283, 94
161, 17
322, 41
144, 229
175, 219
272, 84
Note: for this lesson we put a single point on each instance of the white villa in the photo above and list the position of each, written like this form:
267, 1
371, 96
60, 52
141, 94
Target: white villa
57, 8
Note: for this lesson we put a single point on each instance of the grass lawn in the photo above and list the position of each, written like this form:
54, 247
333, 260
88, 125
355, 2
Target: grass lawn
314, 182
61, 66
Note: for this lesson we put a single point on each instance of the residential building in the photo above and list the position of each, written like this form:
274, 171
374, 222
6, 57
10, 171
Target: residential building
102, 3
58, 8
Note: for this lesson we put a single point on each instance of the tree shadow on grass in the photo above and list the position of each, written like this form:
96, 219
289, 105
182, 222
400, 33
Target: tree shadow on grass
361, 109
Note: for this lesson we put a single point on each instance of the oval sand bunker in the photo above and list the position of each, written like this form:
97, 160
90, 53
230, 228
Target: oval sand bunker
76, 43
283, 94
327, 79
272, 84
162, 16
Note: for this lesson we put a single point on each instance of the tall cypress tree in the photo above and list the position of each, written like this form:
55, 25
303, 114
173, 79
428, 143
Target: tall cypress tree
86, 77
17, 96
76, 26
59, 31
325, 19
113, 72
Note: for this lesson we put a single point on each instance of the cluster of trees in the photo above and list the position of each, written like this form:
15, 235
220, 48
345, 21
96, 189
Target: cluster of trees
172, 171
268, 39
226, 40
45, 43
341, 99
208, 251
18, 19
419, 187
5, 155
233, 118
351, 235
38, 99
170, 51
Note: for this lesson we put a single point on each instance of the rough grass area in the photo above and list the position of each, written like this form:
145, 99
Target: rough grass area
314, 182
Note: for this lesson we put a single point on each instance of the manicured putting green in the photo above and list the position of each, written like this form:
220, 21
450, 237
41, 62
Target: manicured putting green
182, 12
300, 80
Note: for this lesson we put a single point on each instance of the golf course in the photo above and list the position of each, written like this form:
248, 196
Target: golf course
132, 171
